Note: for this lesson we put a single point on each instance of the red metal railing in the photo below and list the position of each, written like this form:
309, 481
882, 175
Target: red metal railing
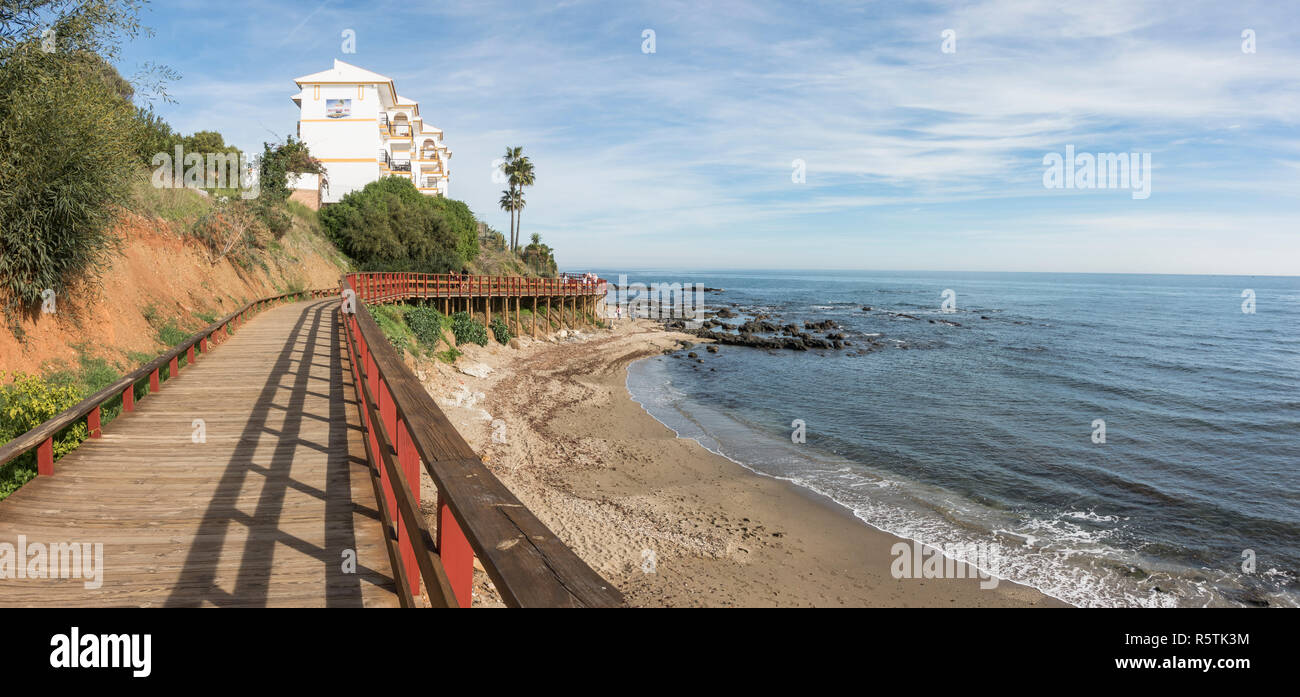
380, 287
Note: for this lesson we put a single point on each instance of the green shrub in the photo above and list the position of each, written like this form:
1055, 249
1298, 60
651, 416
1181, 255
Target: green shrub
501, 331
25, 403
390, 226
170, 334
393, 325
427, 325
168, 204
466, 329
95, 375
463, 224
233, 229
449, 356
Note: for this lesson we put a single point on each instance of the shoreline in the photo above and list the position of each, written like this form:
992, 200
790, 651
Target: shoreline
667, 521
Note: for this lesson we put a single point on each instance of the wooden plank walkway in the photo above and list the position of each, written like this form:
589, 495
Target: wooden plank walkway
260, 514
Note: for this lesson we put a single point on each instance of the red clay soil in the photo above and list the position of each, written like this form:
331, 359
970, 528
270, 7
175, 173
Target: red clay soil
174, 275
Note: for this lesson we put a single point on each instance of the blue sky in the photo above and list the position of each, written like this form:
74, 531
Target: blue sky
915, 158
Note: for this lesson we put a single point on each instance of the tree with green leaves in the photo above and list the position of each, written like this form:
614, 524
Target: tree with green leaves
276, 163
463, 224
390, 226
521, 175
539, 257
68, 140
511, 200
512, 153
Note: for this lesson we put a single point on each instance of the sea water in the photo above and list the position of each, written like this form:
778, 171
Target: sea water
988, 432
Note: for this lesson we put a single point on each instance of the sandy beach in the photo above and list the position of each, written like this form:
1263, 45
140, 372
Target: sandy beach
665, 520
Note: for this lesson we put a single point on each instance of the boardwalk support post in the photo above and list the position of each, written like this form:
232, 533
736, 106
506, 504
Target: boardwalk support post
92, 423
45, 458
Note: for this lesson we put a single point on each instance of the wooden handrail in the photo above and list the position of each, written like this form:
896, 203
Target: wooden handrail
42, 436
477, 515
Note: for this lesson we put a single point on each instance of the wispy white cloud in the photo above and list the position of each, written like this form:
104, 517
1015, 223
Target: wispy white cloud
695, 141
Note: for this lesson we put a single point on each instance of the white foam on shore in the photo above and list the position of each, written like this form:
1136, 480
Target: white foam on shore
1079, 557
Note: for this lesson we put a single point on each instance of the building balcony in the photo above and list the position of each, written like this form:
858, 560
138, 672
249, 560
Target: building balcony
393, 164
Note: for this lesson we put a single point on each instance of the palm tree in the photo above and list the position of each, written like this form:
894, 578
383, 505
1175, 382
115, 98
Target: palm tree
510, 202
519, 215
521, 175
512, 154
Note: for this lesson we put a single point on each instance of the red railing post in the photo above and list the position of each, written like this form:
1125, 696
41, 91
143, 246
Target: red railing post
189, 355
456, 554
174, 367
45, 458
409, 460
128, 398
153, 382
92, 423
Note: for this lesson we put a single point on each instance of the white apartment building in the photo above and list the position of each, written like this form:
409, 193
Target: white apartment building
361, 129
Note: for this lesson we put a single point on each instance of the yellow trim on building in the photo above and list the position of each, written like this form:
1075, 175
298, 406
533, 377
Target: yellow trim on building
392, 89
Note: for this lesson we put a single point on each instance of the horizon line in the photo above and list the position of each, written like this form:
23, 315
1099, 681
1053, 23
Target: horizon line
867, 270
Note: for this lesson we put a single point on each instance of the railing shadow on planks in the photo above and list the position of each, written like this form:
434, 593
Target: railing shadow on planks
476, 514
42, 437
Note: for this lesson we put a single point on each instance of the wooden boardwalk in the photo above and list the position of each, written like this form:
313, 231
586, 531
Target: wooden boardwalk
261, 511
